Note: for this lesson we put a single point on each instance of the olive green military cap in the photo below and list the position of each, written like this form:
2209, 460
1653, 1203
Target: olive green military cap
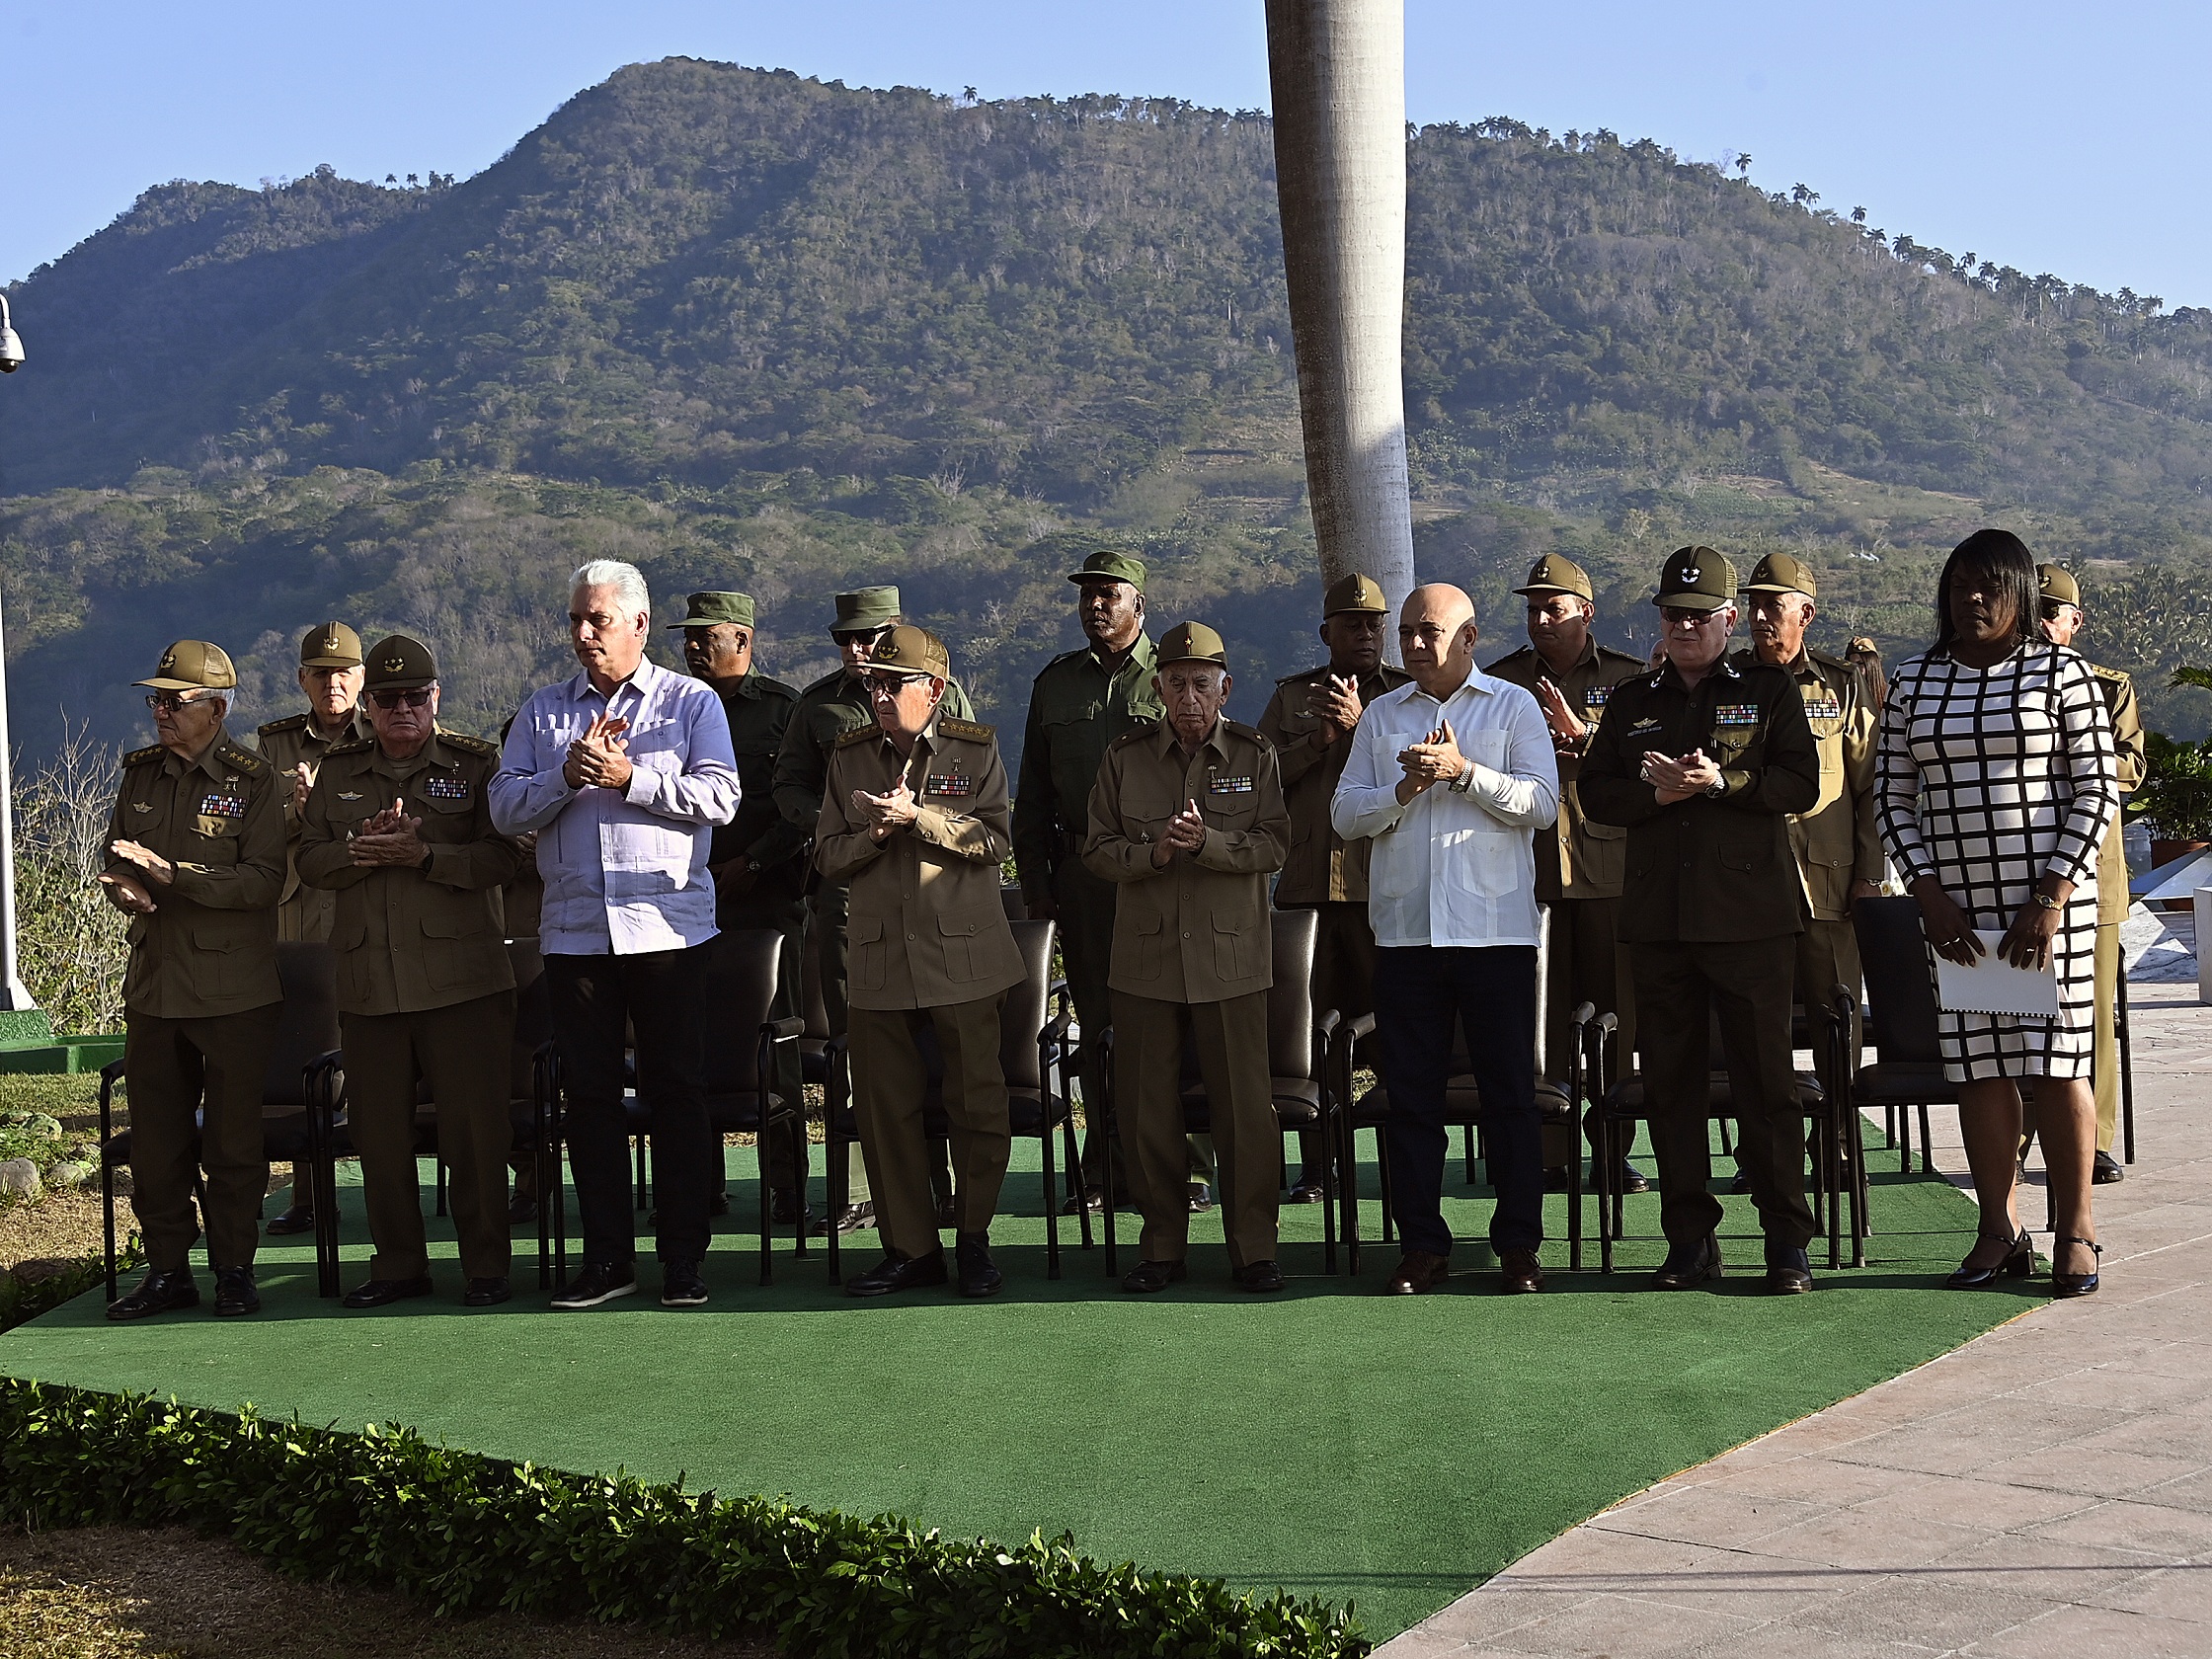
330, 645
1355, 593
2057, 586
1778, 573
866, 611
1553, 573
1111, 567
704, 610
193, 666
1191, 642
1696, 579
399, 663
908, 650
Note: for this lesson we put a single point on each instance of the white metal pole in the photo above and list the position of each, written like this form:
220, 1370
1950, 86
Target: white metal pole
14, 996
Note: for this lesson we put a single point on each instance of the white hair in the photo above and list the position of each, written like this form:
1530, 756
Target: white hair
627, 581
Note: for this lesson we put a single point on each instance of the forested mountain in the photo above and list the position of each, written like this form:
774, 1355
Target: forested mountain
754, 330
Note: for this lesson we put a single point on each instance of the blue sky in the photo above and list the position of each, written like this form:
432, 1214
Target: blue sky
2049, 137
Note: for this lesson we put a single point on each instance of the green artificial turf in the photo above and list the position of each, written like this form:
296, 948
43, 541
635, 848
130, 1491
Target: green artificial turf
1390, 1452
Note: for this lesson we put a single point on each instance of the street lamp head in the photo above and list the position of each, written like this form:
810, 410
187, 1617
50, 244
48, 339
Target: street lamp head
11, 347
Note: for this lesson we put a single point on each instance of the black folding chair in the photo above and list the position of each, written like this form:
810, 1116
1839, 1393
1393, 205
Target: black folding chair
301, 1088
1908, 1074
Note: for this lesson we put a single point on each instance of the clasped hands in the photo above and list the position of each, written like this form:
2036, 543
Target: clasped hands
887, 813
1185, 833
131, 892
2027, 943
1435, 759
1679, 779
1336, 704
598, 758
390, 838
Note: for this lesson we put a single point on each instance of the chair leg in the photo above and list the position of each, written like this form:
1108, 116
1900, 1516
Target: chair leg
836, 1160
1927, 1143
2123, 1021
439, 1182
1467, 1150
1727, 1144
1608, 1218
1050, 1182
1348, 1184
803, 1157
767, 1204
1328, 1201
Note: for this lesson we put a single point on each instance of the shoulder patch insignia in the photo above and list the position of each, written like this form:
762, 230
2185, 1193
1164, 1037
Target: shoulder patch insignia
858, 735
245, 759
469, 744
291, 723
140, 756
2103, 672
350, 745
968, 730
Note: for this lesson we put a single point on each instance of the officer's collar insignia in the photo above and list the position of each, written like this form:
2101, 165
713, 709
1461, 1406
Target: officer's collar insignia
1730, 669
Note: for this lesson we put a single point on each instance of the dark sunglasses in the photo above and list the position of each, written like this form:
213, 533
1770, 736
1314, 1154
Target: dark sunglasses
170, 701
389, 700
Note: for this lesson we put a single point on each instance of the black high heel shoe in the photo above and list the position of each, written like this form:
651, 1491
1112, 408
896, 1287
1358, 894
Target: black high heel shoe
2019, 1263
2073, 1284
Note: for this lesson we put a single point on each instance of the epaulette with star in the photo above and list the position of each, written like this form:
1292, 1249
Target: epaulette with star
2103, 672
348, 745
245, 759
967, 728
140, 756
483, 748
858, 735
291, 723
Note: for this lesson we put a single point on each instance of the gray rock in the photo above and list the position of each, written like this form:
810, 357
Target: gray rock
69, 1173
43, 1126
19, 1177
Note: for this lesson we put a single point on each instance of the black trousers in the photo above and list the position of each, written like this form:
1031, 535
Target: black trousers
661, 996
1746, 985
1423, 996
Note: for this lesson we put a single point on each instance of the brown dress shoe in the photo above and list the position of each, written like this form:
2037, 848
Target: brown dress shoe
1520, 1271
1418, 1273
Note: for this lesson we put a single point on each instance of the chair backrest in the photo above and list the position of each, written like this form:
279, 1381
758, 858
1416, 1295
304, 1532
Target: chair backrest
814, 1007
741, 968
1027, 1006
533, 1015
307, 972
1289, 1000
1900, 982
1011, 900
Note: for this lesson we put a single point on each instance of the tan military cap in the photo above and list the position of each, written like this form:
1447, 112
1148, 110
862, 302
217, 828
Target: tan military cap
1696, 579
908, 650
1355, 593
193, 665
1191, 642
1778, 573
1553, 573
399, 663
2057, 586
330, 645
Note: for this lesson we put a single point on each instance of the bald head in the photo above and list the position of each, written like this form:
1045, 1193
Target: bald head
1437, 635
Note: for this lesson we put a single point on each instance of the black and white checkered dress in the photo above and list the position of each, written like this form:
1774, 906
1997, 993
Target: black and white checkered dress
1989, 780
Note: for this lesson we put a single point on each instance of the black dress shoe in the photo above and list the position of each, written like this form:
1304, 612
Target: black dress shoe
785, 1209
521, 1209
1201, 1198
856, 1218
1305, 1192
1150, 1276
1260, 1278
1555, 1178
235, 1293
900, 1273
2019, 1262
1789, 1272
157, 1293
978, 1274
1091, 1199
485, 1293
1686, 1270
1627, 1179
1741, 1184
681, 1286
383, 1292
2075, 1284
2107, 1170
596, 1284
1519, 1272
297, 1217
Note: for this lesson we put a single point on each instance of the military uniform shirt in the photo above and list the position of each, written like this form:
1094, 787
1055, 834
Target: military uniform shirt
926, 928
2112, 897
1076, 708
429, 936
827, 710
1198, 930
210, 945
759, 713
286, 744
1577, 858
1839, 839
1712, 868
1322, 867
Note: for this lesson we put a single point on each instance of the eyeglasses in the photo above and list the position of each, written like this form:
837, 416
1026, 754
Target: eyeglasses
891, 684
858, 636
169, 702
389, 700
1682, 617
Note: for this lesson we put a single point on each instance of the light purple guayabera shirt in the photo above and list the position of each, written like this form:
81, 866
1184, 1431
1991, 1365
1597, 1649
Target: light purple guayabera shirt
625, 872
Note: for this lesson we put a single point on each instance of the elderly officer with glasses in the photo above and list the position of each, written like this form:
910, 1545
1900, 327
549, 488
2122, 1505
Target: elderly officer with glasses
399, 828
1703, 762
196, 858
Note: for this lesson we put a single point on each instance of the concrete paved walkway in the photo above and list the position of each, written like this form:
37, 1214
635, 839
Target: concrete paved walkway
2045, 1490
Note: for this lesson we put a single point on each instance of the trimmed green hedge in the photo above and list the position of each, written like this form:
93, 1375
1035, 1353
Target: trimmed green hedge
469, 1534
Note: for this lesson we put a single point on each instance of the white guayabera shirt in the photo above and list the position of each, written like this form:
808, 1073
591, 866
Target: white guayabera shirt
1452, 869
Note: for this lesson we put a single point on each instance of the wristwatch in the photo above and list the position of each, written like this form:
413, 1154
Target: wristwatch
2047, 902
1718, 788
1460, 784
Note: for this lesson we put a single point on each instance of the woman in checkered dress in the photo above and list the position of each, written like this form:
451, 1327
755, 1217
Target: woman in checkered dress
1995, 787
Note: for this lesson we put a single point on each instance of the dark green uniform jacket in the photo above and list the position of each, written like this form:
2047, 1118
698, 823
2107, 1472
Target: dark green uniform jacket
1077, 709
760, 711
1711, 868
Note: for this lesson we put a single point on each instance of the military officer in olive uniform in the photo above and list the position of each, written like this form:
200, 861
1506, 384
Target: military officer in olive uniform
2063, 617
1081, 702
1838, 844
1703, 761
758, 858
399, 827
1187, 818
1579, 863
916, 820
196, 858
330, 673
827, 710
1310, 720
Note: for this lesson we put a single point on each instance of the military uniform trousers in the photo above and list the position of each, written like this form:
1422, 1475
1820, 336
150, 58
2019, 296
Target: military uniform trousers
213, 1066
788, 918
1680, 990
1343, 979
2104, 1059
889, 1079
461, 1051
1583, 963
827, 909
1230, 1037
